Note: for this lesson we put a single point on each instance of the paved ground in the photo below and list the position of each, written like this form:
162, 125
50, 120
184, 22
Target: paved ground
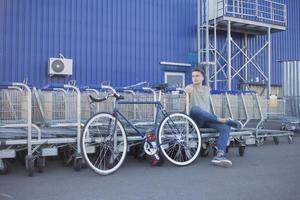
266, 172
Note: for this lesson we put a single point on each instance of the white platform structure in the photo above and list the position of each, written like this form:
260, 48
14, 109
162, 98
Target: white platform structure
248, 17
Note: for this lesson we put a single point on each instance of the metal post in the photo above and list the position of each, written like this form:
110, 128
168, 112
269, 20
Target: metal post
229, 55
206, 44
285, 15
29, 118
246, 52
269, 62
198, 31
256, 8
215, 54
272, 11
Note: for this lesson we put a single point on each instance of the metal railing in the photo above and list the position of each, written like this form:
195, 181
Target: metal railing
259, 10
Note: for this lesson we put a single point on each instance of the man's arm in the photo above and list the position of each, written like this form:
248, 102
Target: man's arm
188, 89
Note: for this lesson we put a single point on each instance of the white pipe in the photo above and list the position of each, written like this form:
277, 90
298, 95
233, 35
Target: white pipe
29, 119
229, 55
78, 123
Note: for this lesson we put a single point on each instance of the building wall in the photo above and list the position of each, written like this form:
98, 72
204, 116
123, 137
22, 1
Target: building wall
116, 40
286, 45
109, 40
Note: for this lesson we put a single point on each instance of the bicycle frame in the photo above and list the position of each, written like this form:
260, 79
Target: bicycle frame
118, 114
158, 105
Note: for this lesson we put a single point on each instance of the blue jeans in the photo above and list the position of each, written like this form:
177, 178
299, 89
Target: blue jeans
206, 119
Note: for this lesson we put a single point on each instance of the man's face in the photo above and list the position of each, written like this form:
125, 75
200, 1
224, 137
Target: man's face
197, 77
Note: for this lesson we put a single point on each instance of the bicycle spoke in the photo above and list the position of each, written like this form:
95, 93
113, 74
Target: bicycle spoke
180, 128
107, 137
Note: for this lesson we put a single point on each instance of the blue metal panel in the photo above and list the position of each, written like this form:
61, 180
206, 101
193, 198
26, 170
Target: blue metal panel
116, 40
286, 45
2, 35
109, 40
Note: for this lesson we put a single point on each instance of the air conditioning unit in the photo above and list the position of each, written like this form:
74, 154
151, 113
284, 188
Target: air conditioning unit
60, 66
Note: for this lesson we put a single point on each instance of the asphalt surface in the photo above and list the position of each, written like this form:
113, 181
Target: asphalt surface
267, 172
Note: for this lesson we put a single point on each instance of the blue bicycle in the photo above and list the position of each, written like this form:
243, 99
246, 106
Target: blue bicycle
104, 141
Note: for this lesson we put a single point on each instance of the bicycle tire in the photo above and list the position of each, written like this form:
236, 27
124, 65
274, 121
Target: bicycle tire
175, 144
109, 149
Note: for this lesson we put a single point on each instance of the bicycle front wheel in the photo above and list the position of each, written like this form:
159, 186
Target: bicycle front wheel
103, 143
179, 139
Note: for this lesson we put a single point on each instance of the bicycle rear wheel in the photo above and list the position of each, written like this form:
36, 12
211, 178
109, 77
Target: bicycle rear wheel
179, 139
103, 143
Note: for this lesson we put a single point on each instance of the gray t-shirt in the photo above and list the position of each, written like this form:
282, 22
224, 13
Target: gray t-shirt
200, 98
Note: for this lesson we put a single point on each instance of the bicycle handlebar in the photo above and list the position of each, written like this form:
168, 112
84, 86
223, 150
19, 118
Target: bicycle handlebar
93, 99
114, 94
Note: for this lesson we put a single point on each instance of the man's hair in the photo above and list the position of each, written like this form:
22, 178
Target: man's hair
198, 69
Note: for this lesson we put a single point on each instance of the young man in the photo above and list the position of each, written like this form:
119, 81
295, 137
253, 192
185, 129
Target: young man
200, 112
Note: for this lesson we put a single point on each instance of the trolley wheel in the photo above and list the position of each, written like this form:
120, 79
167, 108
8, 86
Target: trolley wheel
4, 166
290, 139
242, 150
276, 140
29, 160
40, 163
21, 155
77, 164
215, 151
67, 156
107, 136
204, 152
259, 141
138, 152
179, 139
84, 165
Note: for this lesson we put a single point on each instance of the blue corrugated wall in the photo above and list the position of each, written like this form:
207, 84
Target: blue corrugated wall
286, 45
109, 40
121, 41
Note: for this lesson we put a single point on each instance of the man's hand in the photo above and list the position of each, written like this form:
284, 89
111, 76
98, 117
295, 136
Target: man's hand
188, 89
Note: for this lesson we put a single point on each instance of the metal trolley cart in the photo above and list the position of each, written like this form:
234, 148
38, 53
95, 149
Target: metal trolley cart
223, 107
15, 122
259, 120
57, 112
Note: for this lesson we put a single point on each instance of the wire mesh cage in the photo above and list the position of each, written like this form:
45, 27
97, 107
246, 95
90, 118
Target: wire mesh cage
276, 107
237, 108
55, 106
13, 106
219, 104
88, 108
144, 112
128, 110
292, 106
174, 101
252, 105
